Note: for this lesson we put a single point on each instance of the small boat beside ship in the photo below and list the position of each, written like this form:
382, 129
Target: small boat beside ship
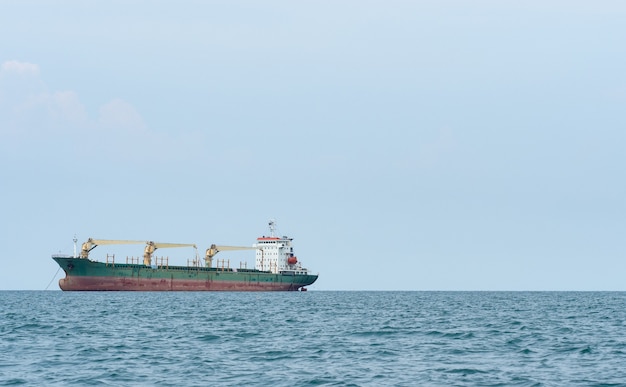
276, 269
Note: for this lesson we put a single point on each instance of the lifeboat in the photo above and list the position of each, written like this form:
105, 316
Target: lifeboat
292, 260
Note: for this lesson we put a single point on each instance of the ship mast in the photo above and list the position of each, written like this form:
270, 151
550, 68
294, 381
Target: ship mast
75, 240
272, 225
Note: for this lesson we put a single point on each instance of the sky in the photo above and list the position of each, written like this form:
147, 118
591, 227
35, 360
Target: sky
404, 145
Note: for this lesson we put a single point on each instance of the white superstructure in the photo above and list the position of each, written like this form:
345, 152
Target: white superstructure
275, 254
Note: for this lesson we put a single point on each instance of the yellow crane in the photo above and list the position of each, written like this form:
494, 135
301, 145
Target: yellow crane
91, 244
151, 246
214, 249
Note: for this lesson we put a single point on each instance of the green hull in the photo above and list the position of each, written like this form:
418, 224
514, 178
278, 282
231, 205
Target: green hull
84, 274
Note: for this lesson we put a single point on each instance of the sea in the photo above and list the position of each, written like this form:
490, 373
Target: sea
314, 338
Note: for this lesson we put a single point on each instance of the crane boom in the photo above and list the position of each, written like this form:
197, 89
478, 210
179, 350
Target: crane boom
164, 245
114, 242
214, 249
151, 246
91, 244
230, 248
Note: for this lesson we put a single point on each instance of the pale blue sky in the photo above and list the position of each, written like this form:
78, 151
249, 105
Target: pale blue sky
409, 145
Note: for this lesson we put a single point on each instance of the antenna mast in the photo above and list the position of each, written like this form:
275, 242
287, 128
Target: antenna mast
75, 240
272, 225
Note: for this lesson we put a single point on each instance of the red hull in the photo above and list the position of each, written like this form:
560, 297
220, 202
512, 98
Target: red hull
144, 284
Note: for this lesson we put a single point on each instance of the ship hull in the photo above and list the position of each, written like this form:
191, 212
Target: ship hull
87, 275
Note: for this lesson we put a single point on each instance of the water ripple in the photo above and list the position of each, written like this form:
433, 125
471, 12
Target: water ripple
313, 338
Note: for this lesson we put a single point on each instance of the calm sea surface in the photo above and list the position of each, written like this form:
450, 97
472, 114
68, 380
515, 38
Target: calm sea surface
313, 338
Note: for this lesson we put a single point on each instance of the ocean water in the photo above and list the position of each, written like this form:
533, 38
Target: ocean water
315, 338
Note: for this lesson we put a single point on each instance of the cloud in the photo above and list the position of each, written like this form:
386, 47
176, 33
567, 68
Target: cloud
21, 68
121, 115
36, 118
68, 107
41, 120
60, 107
28, 107
26, 115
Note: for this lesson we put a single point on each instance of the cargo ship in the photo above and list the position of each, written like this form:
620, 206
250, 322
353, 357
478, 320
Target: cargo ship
276, 269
